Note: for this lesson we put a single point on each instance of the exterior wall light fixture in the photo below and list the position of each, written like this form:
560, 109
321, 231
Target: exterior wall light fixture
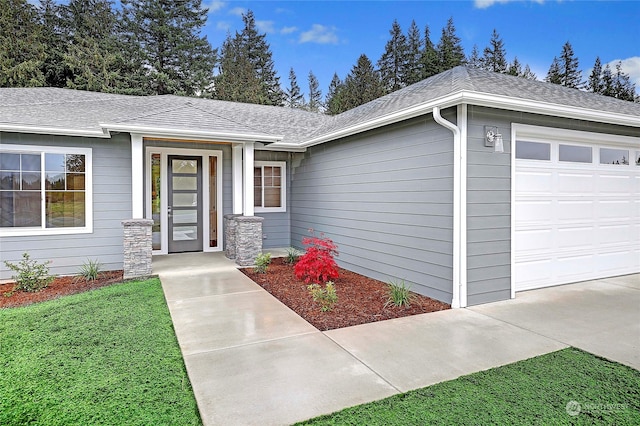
493, 138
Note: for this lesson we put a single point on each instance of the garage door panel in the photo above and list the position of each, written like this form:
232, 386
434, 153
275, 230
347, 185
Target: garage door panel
574, 221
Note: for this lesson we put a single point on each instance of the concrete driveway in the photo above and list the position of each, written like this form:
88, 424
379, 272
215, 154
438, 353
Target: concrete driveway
251, 360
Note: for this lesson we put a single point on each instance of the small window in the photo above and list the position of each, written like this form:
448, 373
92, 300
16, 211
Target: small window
575, 154
614, 156
269, 186
533, 150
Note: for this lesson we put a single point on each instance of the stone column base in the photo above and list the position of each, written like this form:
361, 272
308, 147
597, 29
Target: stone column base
230, 225
137, 248
248, 239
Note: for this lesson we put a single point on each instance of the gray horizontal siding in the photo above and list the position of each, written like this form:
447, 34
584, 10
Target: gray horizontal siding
385, 198
489, 197
111, 204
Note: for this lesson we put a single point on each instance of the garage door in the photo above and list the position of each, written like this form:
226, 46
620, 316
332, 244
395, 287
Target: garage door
577, 211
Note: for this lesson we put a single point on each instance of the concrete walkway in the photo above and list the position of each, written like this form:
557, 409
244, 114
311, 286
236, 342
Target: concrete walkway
251, 360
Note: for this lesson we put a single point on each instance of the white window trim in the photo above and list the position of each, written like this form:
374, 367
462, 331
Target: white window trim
283, 189
88, 192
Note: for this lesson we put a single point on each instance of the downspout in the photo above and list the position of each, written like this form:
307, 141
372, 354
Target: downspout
459, 296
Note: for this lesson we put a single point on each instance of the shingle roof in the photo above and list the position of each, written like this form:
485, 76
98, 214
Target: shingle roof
89, 111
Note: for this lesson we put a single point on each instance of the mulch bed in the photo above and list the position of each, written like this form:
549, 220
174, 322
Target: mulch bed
361, 300
61, 286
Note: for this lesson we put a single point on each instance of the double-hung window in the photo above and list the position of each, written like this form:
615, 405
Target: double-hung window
44, 190
269, 186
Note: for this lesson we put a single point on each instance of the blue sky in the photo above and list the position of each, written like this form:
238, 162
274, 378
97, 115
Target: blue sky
328, 36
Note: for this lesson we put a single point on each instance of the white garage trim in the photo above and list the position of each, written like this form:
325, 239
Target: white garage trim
600, 245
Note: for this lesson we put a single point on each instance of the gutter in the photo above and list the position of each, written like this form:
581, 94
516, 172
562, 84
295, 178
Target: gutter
200, 134
459, 290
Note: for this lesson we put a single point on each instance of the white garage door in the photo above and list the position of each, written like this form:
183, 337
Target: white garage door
577, 211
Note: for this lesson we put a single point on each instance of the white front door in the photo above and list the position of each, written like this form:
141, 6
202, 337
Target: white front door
577, 211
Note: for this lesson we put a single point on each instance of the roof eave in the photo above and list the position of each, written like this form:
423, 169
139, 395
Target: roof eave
59, 131
480, 99
166, 132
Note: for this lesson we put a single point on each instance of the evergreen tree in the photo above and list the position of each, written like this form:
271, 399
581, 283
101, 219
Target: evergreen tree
236, 80
474, 61
293, 95
594, 84
363, 84
93, 57
607, 82
393, 62
22, 52
164, 39
53, 36
554, 74
335, 101
623, 87
315, 95
528, 74
413, 67
450, 51
494, 58
515, 68
429, 61
570, 75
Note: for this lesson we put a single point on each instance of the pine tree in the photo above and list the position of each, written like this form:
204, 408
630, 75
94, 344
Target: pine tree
393, 62
430, 64
528, 74
335, 101
363, 84
450, 51
474, 61
570, 75
607, 82
22, 51
515, 68
93, 58
413, 67
293, 95
164, 39
623, 87
315, 95
554, 73
494, 58
53, 36
236, 80
594, 84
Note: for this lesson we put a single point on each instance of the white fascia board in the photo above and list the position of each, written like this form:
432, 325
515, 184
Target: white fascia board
61, 131
191, 134
544, 134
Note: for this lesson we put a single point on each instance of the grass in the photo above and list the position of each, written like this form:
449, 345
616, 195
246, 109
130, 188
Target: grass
531, 392
107, 356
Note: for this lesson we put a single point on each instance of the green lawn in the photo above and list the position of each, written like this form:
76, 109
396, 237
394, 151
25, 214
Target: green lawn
536, 391
108, 356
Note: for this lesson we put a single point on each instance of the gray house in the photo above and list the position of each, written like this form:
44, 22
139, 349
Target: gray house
469, 185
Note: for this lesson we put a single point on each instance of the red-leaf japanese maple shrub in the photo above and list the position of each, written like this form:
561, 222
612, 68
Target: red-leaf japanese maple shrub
317, 265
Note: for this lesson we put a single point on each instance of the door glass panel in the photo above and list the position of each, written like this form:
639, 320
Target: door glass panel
185, 200
184, 166
533, 150
575, 154
614, 156
185, 183
156, 177
213, 199
185, 233
185, 216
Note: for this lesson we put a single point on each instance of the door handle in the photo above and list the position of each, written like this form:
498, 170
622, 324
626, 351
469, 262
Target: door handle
169, 211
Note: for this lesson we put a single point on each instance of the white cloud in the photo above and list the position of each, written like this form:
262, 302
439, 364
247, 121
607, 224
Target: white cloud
213, 5
238, 11
483, 4
288, 30
223, 26
265, 26
319, 34
630, 66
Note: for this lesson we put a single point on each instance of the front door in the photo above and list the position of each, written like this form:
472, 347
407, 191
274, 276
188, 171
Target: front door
184, 203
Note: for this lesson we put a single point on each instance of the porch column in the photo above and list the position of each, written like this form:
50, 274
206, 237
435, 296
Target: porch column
236, 161
137, 176
247, 178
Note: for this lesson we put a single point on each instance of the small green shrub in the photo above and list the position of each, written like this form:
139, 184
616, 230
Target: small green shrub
327, 296
90, 270
399, 294
292, 256
262, 263
30, 276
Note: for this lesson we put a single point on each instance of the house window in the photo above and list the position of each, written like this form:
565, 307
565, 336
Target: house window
614, 156
44, 190
269, 186
533, 150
